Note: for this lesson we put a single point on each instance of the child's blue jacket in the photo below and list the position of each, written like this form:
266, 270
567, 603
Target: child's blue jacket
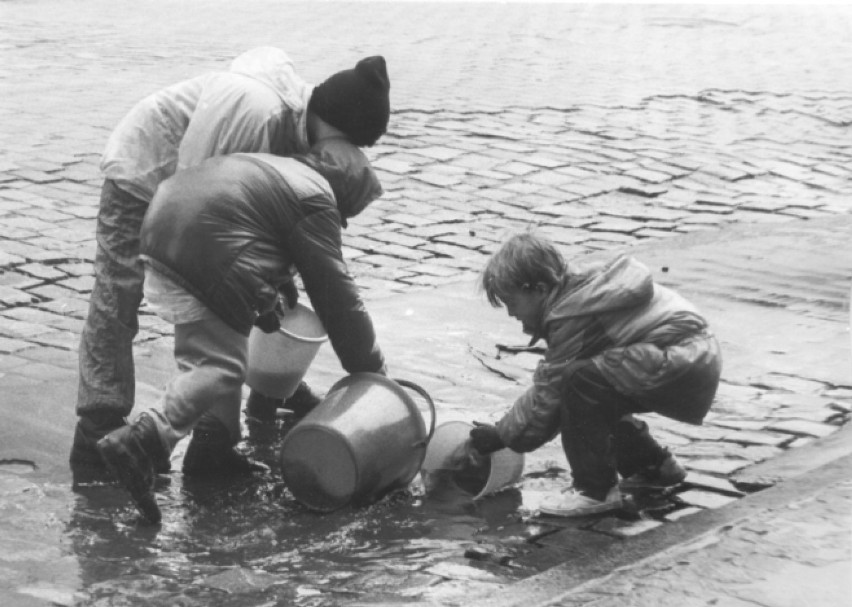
640, 335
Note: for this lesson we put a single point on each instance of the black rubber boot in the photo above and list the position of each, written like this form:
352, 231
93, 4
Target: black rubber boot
303, 401
211, 452
130, 453
90, 428
261, 408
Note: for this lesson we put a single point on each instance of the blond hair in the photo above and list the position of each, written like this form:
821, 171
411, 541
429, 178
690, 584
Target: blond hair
523, 261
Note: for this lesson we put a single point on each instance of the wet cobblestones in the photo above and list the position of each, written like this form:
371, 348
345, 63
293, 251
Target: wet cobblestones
632, 151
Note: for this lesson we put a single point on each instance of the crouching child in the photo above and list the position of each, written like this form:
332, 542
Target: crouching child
617, 345
220, 243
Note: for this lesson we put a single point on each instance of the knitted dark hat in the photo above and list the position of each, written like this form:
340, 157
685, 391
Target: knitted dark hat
356, 101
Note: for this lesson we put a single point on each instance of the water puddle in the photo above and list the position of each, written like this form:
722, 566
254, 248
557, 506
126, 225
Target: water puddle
248, 542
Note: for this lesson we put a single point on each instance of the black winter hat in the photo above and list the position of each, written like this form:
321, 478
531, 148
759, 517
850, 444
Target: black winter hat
356, 101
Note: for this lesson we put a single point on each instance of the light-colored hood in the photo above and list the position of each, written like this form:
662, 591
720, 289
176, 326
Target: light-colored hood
274, 68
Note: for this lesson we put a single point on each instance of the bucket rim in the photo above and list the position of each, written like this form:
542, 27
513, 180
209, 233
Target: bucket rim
302, 338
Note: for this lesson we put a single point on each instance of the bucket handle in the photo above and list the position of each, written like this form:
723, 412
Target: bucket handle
412, 386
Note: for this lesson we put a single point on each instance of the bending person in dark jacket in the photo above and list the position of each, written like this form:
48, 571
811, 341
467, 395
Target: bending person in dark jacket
219, 242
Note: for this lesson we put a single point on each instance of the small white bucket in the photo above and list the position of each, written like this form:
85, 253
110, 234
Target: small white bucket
278, 361
498, 471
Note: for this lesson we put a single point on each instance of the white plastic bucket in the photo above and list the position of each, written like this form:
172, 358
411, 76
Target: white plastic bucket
278, 361
500, 470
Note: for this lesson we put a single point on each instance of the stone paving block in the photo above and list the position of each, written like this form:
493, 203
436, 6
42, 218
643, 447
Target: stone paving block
10, 345
441, 270
700, 208
463, 241
83, 212
80, 284
708, 449
682, 513
648, 176
644, 190
697, 432
758, 453
624, 529
77, 308
35, 176
41, 272
789, 389
704, 499
396, 238
746, 437
803, 428
385, 263
621, 226
440, 153
43, 372
48, 292
10, 296
749, 425
32, 315
719, 466
714, 483
21, 329
726, 172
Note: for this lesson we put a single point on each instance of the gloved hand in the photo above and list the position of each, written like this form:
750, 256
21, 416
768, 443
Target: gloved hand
465, 456
268, 322
485, 439
290, 293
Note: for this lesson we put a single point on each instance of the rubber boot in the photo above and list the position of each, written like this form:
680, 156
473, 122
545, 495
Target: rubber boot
262, 408
211, 452
90, 428
130, 453
303, 401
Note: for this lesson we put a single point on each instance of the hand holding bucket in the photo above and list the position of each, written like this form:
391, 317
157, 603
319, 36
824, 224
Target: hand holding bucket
450, 455
278, 361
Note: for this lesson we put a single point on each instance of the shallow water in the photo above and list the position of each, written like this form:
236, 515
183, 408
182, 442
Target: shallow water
248, 542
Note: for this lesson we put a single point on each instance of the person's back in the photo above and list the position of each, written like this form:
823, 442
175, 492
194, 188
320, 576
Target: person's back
259, 105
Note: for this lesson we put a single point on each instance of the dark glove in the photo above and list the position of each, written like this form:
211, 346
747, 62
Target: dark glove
290, 293
485, 439
268, 322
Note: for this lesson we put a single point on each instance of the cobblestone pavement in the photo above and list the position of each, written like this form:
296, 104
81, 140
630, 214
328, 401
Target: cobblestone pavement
795, 554
723, 131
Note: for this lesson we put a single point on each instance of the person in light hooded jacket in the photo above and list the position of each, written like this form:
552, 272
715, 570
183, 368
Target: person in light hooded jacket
617, 344
218, 243
259, 105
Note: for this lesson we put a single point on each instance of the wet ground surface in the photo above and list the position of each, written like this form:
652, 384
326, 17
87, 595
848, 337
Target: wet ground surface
729, 178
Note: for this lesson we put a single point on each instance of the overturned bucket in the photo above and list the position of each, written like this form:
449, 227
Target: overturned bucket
444, 461
365, 439
278, 361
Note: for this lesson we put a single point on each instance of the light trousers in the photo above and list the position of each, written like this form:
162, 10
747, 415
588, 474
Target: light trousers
211, 359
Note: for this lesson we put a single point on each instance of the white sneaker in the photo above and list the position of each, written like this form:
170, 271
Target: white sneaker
574, 503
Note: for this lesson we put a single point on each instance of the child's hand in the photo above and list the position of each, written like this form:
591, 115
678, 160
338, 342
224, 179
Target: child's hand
485, 438
465, 456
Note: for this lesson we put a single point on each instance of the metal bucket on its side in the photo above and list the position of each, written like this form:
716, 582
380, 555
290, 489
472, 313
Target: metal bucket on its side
365, 439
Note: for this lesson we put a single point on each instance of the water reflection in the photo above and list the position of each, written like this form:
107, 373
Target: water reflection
247, 541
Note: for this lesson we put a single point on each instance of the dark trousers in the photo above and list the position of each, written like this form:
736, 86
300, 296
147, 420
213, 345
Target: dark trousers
599, 441
107, 375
